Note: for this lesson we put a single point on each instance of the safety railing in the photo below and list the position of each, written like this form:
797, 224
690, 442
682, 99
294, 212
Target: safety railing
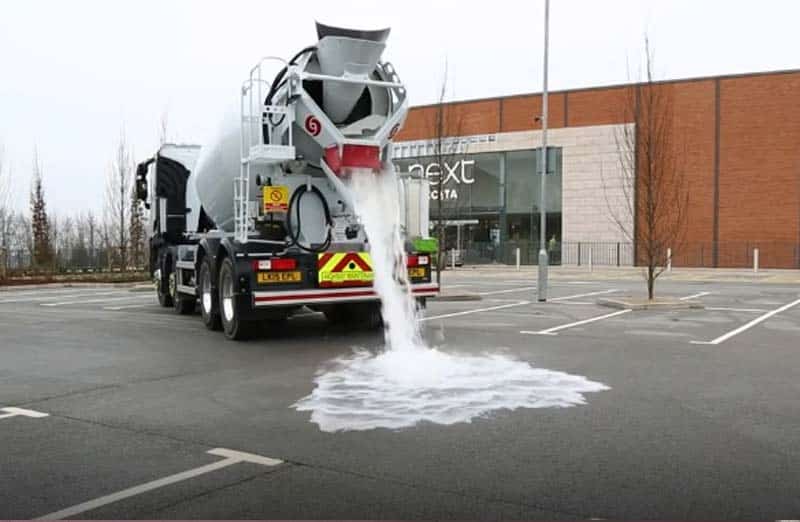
256, 116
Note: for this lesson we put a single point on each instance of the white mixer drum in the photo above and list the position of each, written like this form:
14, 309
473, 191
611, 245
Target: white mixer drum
216, 169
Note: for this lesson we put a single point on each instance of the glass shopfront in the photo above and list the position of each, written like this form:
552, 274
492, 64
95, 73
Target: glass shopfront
489, 202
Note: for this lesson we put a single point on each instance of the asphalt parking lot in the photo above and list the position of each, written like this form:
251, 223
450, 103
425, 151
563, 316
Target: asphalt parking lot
149, 415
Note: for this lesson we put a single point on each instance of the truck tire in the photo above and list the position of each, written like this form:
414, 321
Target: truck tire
338, 314
356, 315
372, 318
209, 299
183, 304
162, 282
234, 327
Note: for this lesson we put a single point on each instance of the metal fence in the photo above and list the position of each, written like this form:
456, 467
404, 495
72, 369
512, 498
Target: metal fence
19, 262
560, 253
731, 254
739, 254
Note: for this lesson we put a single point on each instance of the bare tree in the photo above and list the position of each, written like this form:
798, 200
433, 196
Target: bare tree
6, 214
91, 229
117, 204
445, 123
136, 231
41, 247
22, 240
654, 185
105, 256
79, 255
56, 246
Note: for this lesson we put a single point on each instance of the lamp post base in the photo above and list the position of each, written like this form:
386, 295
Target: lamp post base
542, 270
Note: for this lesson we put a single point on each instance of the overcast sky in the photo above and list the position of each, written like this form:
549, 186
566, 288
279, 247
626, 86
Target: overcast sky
74, 73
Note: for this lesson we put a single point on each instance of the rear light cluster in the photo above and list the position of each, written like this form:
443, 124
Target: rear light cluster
274, 264
418, 261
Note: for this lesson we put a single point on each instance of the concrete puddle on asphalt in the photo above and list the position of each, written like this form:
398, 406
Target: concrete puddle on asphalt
398, 389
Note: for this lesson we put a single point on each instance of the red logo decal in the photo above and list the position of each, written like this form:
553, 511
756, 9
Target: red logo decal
313, 126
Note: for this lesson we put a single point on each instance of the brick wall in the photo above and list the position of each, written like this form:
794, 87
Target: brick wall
519, 113
756, 140
759, 179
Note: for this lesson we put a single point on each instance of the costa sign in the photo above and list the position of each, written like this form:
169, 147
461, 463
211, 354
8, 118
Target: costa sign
451, 175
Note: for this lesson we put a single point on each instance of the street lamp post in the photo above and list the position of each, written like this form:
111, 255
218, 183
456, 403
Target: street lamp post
543, 258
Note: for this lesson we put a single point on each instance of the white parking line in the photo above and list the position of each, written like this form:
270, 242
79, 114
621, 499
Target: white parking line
508, 290
21, 412
127, 307
490, 283
552, 331
56, 296
726, 309
478, 310
4, 293
105, 300
589, 294
747, 326
694, 296
231, 458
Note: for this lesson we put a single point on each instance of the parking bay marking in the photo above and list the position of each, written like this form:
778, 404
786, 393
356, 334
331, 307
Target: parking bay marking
727, 309
104, 300
508, 290
127, 307
478, 310
747, 326
694, 296
21, 412
553, 330
57, 296
231, 457
589, 294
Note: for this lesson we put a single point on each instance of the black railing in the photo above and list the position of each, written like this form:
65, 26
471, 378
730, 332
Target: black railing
732, 254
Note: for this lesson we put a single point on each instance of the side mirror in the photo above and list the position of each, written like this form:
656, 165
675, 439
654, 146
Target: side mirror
141, 182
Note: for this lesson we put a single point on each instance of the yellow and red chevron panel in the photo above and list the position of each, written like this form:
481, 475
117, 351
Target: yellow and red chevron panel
343, 269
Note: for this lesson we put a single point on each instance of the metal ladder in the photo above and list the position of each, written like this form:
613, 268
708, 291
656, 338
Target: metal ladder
255, 115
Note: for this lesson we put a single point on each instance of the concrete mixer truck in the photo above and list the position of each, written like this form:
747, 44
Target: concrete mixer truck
260, 222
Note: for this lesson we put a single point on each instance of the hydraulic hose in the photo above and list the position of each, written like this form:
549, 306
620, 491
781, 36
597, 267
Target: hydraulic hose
294, 207
278, 82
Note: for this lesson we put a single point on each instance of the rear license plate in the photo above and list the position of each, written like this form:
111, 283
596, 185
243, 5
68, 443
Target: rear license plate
417, 271
280, 277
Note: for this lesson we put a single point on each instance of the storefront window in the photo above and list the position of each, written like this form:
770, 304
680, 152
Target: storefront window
523, 190
464, 183
490, 201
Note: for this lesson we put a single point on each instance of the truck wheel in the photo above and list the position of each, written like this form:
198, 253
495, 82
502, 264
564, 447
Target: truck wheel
162, 285
373, 320
356, 315
338, 314
184, 304
209, 300
232, 324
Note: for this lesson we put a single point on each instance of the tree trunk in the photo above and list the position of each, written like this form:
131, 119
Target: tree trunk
651, 282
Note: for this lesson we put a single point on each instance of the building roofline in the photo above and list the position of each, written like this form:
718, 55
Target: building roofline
615, 86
